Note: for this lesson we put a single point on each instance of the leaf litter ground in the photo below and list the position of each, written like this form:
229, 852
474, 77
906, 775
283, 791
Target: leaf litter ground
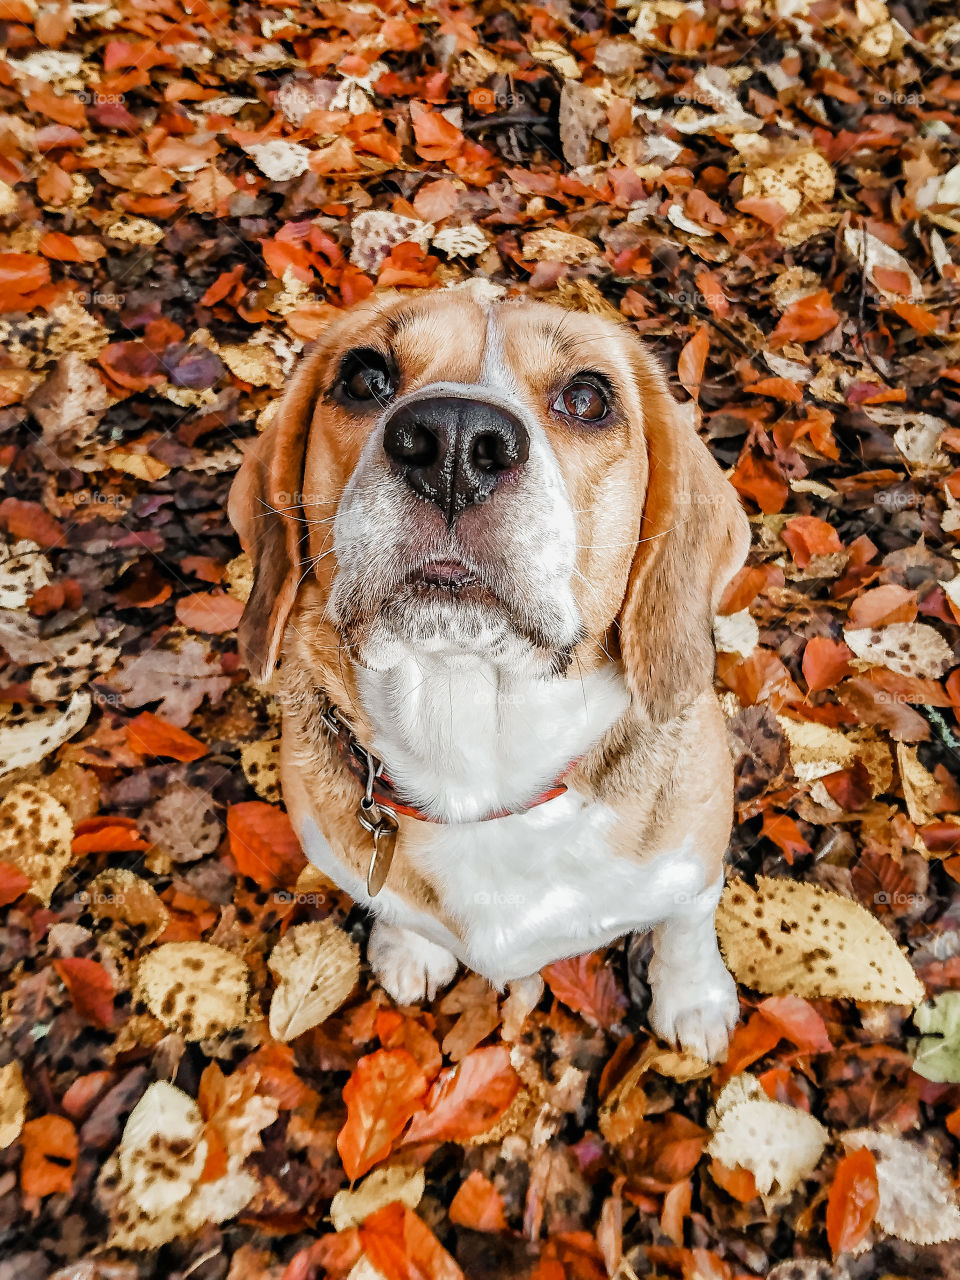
198, 1076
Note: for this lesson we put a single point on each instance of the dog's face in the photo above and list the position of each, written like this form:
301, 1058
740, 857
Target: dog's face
509, 480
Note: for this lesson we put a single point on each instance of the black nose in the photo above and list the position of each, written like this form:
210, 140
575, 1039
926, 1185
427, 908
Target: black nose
452, 451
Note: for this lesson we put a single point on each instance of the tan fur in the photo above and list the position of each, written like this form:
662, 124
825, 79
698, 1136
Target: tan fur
660, 532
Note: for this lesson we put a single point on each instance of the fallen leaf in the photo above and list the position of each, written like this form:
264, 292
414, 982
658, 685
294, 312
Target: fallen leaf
317, 966
788, 937
195, 988
383, 1092
916, 1201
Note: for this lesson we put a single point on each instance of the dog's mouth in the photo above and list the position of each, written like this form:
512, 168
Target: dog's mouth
452, 580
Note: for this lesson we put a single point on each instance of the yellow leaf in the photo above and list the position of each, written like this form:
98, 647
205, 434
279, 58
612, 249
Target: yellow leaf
789, 938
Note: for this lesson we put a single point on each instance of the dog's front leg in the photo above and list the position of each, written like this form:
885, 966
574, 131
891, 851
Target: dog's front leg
695, 1003
408, 966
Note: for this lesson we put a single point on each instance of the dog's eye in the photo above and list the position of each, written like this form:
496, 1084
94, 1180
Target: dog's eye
365, 378
581, 400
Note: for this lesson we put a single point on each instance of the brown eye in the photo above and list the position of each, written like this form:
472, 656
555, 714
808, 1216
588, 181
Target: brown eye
366, 379
581, 400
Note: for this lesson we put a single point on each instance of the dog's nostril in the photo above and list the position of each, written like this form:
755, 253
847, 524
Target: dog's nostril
490, 453
411, 443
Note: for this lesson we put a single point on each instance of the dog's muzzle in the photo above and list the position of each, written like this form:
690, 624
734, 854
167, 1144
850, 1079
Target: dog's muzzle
454, 452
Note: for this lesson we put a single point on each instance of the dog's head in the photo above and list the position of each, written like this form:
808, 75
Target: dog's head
510, 479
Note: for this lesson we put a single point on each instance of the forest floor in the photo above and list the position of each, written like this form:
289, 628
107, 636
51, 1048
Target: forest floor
769, 192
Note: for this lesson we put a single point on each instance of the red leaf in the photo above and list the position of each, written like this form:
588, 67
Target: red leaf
132, 365
853, 1201
152, 736
90, 988
588, 985
805, 320
108, 833
807, 536
30, 520
825, 662
467, 1099
437, 138
210, 611
264, 844
49, 1156
384, 1091
12, 883
797, 1019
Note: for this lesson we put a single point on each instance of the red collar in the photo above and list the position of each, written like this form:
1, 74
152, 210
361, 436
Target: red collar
372, 776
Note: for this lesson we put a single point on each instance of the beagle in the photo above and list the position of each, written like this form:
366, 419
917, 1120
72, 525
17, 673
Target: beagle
489, 547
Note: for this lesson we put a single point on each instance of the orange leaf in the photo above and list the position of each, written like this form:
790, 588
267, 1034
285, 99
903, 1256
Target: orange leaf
467, 1099
588, 985
152, 736
853, 1201
478, 1205
807, 536
437, 138
797, 1019
12, 883
918, 318
49, 1156
785, 834
712, 290
108, 833
264, 844
739, 1183
758, 477
825, 661
400, 1246
61, 247
30, 520
211, 611
383, 1092
693, 359
883, 605
806, 319
779, 388
90, 988
676, 1207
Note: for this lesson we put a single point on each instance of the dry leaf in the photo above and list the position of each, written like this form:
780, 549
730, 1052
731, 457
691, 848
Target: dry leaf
33, 734
789, 938
261, 768
383, 1186
157, 1168
195, 988
780, 1145
910, 648
13, 1104
317, 966
36, 836
917, 1201
122, 895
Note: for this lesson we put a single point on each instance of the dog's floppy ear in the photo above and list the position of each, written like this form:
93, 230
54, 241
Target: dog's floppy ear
265, 508
694, 536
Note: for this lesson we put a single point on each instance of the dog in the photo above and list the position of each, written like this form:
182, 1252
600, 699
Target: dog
489, 547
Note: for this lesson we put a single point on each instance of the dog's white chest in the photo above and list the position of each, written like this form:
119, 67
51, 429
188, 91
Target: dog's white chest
522, 891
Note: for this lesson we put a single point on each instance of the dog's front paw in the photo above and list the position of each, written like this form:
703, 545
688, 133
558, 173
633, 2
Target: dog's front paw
696, 1017
408, 967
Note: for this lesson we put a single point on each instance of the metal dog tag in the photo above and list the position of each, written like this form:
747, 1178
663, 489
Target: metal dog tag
385, 829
